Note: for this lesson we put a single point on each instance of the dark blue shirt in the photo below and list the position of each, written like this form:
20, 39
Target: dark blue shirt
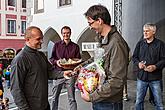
154, 54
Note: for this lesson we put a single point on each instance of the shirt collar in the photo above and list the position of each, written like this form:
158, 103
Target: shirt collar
62, 42
30, 49
150, 42
104, 40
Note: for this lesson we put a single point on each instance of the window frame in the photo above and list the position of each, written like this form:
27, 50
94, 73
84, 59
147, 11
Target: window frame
23, 3
12, 27
36, 7
11, 5
23, 28
65, 3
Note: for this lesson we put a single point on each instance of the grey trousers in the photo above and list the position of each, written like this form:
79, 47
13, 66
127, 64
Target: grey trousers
70, 86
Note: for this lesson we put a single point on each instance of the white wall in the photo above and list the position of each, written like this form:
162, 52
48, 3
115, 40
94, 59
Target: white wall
56, 17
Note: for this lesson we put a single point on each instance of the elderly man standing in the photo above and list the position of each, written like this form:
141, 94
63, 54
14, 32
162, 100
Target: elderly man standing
149, 56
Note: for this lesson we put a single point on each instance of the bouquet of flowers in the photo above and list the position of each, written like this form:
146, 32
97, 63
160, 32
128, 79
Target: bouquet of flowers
87, 78
92, 76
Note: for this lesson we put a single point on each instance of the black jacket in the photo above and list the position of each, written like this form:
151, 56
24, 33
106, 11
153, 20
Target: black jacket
154, 54
30, 71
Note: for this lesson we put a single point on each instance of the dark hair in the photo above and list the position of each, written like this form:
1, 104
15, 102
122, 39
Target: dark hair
66, 27
99, 11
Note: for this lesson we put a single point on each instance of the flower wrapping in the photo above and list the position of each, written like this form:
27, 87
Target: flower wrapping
91, 77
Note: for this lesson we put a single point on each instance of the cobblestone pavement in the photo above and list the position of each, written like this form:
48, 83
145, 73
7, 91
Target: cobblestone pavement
82, 105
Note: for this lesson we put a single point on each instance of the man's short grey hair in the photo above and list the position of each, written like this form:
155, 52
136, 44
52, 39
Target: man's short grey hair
28, 32
150, 26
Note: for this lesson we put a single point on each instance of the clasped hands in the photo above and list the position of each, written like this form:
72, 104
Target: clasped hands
72, 73
149, 68
69, 73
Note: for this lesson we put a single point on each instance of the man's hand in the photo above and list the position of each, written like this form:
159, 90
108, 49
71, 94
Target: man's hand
58, 63
77, 68
68, 74
150, 68
142, 65
85, 95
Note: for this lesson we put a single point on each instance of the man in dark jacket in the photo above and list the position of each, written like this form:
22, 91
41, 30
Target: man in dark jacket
149, 57
30, 71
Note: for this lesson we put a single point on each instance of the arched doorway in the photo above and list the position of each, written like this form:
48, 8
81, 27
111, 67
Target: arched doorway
50, 36
87, 35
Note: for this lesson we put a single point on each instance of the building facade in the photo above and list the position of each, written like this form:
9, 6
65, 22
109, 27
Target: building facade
13, 22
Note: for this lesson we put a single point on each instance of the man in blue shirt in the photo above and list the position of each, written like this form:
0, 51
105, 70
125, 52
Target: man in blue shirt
149, 56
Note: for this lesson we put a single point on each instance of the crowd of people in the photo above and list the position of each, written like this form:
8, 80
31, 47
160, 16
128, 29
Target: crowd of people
30, 69
4, 82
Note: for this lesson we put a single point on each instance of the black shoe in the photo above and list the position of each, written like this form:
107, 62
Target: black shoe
152, 102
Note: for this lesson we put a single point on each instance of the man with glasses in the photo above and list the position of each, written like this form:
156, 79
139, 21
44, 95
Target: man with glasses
116, 58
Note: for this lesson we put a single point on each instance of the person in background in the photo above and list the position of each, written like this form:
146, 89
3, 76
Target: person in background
125, 92
30, 71
110, 94
1, 80
7, 76
149, 56
64, 48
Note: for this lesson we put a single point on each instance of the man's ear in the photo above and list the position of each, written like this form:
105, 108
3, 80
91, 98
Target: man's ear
154, 32
26, 39
100, 21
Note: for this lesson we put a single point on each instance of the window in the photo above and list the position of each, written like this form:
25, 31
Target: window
38, 6
23, 27
11, 26
11, 3
23, 3
64, 2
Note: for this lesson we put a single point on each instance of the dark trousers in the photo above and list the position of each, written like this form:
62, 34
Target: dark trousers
48, 107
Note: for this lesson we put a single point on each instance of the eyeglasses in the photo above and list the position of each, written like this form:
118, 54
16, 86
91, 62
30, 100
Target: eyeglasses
90, 23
